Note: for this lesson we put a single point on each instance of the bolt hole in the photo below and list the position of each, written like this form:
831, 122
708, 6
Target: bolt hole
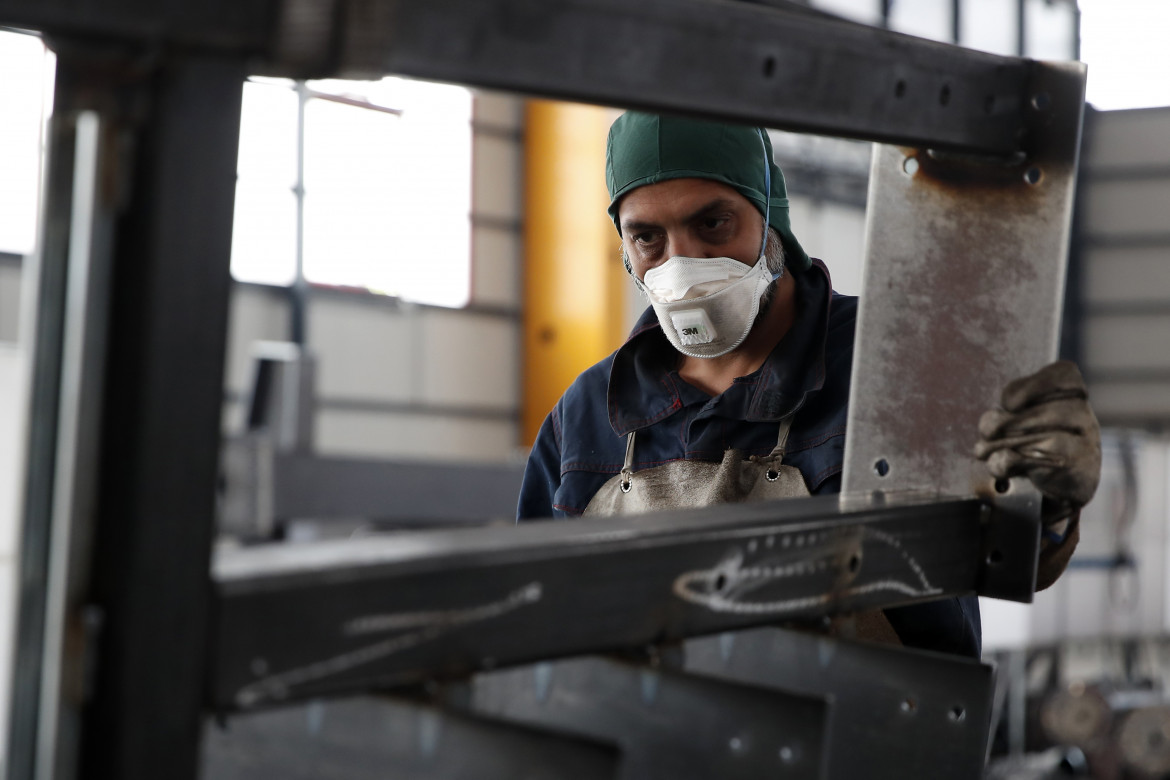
957, 714
989, 104
881, 468
769, 67
1002, 486
908, 705
1033, 175
995, 557
900, 88
944, 95
721, 582
1041, 101
854, 563
910, 166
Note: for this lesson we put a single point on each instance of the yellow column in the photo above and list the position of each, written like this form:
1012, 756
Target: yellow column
573, 276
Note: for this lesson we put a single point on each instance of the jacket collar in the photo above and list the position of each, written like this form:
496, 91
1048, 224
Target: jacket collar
644, 385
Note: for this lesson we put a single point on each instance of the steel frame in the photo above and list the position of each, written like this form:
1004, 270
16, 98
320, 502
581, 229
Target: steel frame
119, 496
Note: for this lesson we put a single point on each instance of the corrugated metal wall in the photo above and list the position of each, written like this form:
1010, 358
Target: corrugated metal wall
1124, 250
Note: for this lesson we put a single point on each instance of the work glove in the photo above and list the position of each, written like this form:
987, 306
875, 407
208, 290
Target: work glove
1047, 432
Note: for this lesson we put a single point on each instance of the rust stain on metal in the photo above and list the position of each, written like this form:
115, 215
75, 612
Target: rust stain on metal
973, 261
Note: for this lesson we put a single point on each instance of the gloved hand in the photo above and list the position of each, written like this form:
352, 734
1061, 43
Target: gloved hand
1046, 431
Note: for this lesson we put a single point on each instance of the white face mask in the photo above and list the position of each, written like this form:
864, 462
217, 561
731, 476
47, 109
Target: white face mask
706, 306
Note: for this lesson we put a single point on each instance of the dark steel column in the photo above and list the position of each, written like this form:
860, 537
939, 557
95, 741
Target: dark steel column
162, 419
124, 414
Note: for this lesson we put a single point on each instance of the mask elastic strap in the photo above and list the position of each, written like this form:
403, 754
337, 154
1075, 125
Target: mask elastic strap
767, 200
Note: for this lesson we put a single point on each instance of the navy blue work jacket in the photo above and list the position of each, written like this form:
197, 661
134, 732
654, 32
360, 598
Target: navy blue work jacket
582, 442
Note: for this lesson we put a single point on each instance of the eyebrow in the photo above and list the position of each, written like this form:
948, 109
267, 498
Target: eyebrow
718, 203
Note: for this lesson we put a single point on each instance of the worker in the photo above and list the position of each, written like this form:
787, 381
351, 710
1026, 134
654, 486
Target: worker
734, 383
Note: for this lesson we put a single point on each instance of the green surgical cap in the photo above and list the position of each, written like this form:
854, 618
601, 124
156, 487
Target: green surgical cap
649, 148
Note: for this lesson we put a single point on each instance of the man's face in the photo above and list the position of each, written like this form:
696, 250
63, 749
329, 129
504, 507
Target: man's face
688, 218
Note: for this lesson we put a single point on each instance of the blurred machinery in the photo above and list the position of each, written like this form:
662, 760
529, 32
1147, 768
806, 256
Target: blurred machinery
133, 635
274, 485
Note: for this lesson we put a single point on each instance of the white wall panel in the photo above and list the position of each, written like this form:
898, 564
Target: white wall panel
1126, 208
495, 266
415, 437
257, 314
834, 233
1128, 342
1130, 403
1134, 140
365, 350
9, 301
1127, 275
470, 360
498, 109
497, 178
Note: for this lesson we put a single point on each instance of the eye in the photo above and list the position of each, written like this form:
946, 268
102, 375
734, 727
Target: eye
714, 222
645, 239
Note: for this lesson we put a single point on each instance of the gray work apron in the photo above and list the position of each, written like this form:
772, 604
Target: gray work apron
690, 484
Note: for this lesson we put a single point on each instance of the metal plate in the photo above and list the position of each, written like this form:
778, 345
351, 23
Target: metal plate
303, 621
964, 281
669, 724
374, 739
897, 713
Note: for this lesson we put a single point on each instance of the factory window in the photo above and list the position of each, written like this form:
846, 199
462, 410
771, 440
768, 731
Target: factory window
359, 184
26, 93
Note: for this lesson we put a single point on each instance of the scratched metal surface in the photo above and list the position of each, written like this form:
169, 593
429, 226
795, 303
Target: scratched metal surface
902, 713
377, 738
963, 281
314, 627
669, 724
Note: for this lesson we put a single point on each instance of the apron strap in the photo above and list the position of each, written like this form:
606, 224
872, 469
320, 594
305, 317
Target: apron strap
627, 473
782, 437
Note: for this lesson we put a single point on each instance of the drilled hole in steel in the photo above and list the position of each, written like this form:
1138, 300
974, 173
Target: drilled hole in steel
900, 88
854, 563
1002, 486
881, 468
908, 705
769, 67
721, 582
1033, 175
957, 714
944, 95
994, 558
910, 166
1041, 101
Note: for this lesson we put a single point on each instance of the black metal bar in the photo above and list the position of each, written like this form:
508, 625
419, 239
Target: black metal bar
294, 622
379, 738
902, 713
307, 486
669, 724
778, 67
219, 24
179, 123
